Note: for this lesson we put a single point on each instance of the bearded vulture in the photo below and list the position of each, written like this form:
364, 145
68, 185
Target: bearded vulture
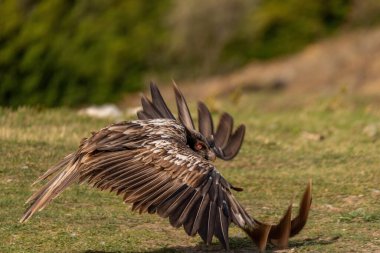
163, 165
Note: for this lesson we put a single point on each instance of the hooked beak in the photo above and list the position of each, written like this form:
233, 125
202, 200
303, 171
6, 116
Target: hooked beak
211, 155
218, 151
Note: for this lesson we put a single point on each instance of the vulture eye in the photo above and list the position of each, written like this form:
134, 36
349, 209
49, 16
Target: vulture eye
198, 146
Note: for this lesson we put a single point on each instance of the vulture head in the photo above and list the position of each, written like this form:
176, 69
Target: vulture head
200, 145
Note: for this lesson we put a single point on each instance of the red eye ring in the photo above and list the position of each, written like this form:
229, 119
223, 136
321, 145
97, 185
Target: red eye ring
198, 146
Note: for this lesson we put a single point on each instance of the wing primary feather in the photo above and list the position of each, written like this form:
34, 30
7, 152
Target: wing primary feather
174, 207
188, 207
202, 231
213, 192
188, 224
165, 208
65, 161
169, 200
159, 102
147, 202
137, 183
199, 215
211, 222
128, 177
221, 228
150, 109
164, 196
55, 187
183, 110
113, 171
224, 219
148, 188
136, 179
224, 130
104, 166
174, 217
142, 115
205, 123
234, 143
109, 180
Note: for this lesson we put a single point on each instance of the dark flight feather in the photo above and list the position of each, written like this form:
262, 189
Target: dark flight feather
224, 130
234, 143
205, 123
159, 102
183, 110
150, 109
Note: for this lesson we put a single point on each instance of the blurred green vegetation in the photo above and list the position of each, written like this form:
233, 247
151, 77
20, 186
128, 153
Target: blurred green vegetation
79, 52
75, 52
279, 27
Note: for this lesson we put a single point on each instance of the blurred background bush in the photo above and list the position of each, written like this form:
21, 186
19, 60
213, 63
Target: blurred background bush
73, 53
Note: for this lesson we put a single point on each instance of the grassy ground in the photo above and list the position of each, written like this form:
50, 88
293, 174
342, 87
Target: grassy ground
333, 141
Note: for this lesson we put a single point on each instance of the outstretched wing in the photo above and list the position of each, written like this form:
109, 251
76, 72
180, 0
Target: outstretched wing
149, 164
227, 143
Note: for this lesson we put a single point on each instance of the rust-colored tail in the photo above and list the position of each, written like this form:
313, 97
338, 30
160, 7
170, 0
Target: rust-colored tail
279, 234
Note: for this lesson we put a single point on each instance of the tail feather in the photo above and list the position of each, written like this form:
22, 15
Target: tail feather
69, 173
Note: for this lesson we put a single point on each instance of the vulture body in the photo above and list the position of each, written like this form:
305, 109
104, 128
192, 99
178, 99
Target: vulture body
164, 166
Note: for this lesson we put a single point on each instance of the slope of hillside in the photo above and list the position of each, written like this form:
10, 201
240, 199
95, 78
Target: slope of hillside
349, 60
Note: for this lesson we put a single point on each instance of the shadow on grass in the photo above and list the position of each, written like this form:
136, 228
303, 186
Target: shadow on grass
314, 241
237, 244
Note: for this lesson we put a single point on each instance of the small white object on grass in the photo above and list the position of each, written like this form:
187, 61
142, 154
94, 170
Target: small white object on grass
371, 130
102, 111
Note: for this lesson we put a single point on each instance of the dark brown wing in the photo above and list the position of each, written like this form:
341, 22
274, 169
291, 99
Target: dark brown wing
149, 164
227, 143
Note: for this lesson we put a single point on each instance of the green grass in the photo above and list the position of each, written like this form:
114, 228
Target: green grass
276, 161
